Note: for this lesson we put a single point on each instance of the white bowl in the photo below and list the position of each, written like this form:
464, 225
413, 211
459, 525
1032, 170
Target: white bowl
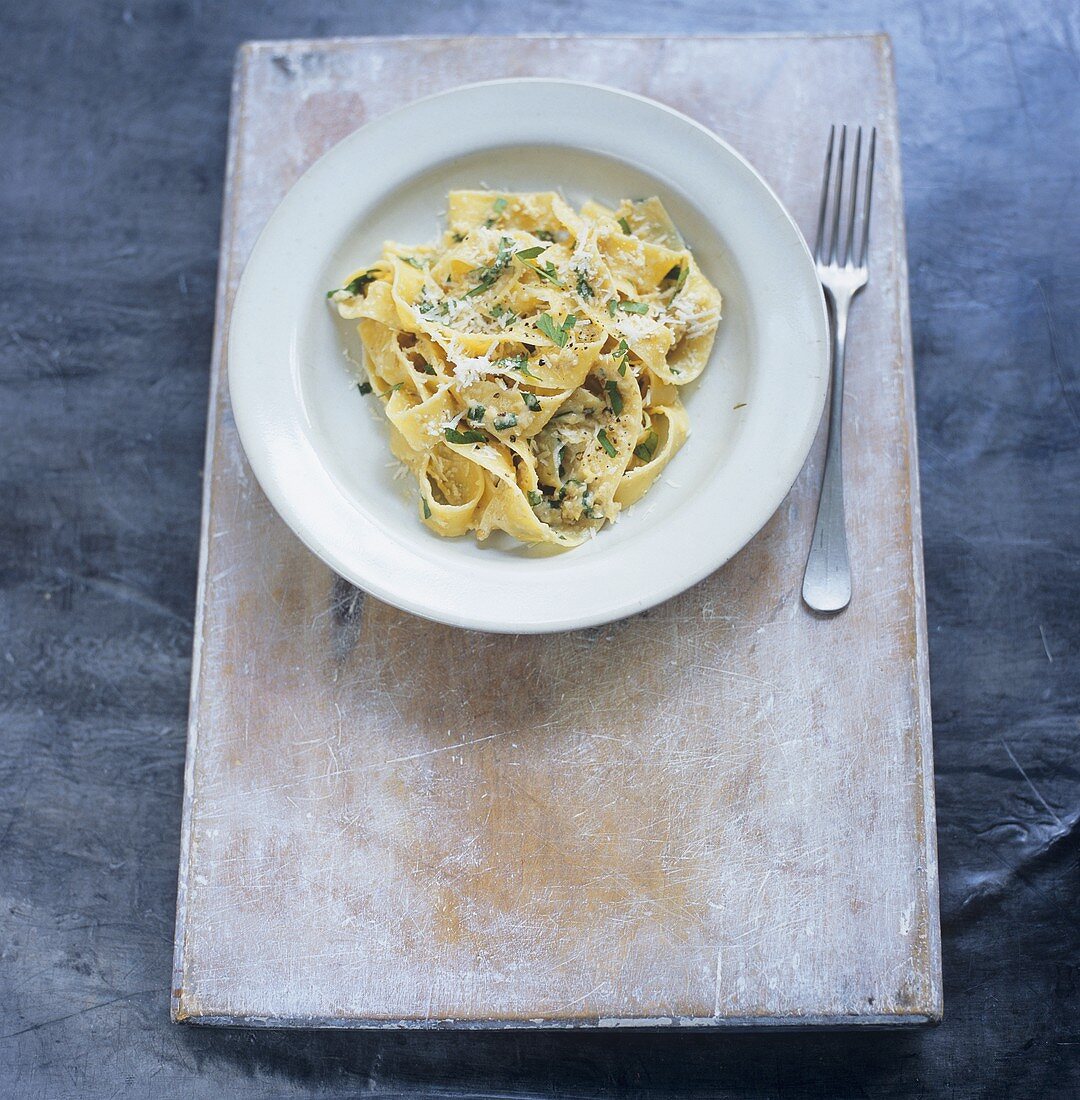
320, 451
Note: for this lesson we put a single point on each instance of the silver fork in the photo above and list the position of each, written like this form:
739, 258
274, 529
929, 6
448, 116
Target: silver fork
843, 273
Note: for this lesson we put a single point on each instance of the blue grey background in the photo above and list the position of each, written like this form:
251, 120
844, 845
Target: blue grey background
112, 145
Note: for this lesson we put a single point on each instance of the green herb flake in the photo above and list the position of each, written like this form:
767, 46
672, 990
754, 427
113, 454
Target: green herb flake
535, 497
546, 324
602, 439
355, 286
527, 257
499, 205
412, 261
545, 235
621, 352
682, 278
559, 333
646, 449
364, 388
548, 271
614, 396
532, 402
427, 510
740, 405
454, 436
504, 421
489, 275
612, 306
624, 225
633, 307
583, 288
457, 238
427, 307
475, 413
426, 368
519, 362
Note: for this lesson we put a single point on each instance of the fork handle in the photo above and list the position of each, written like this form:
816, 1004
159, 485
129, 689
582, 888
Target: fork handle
827, 580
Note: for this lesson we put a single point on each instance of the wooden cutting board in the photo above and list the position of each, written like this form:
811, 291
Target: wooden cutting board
719, 812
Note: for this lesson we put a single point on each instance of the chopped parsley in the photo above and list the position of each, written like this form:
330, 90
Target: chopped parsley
527, 257
475, 412
426, 368
560, 465
355, 286
647, 448
602, 439
548, 272
488, 276
624, 225
427, 307
412, 261
535, 497
519, 362
631, 307
457, 238
454, 436
621, 352
544, 235
427, 510
559, 333
504, 421
364, 388
583, 288
532, 402
614, 396
682, 278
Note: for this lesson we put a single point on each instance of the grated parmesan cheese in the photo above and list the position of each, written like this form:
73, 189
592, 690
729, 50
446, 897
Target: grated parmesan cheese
467, 368
635, 326
691, 321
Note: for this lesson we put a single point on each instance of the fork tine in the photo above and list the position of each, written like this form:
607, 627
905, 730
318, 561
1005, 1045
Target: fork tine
837, 184
852, 197
866, 197
818, 255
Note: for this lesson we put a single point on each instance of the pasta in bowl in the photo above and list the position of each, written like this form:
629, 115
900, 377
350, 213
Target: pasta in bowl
320, 453
530, 361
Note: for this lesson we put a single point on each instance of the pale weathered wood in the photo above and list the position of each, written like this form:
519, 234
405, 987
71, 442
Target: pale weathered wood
718, 812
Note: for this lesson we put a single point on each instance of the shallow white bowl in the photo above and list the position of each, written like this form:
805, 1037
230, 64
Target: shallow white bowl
320, 451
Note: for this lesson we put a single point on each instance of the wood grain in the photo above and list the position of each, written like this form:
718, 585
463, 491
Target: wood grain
393, 822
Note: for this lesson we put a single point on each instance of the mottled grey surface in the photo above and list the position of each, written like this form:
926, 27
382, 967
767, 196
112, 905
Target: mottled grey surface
112, 126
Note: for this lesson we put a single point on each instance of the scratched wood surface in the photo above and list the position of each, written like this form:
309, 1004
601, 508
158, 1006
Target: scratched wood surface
719, 812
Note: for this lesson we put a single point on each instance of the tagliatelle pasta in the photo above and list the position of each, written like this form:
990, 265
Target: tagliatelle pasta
530, 361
